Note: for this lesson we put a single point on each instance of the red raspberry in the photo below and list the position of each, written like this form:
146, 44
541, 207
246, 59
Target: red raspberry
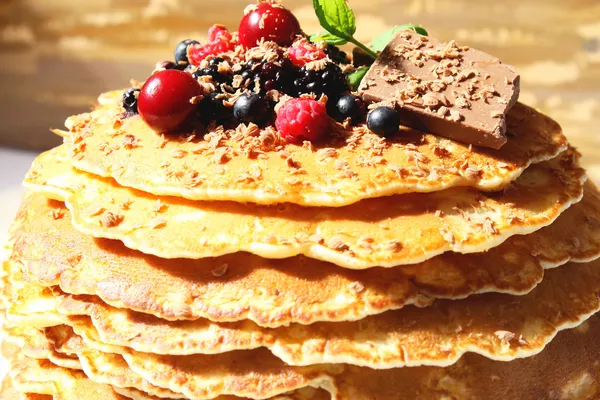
303, 52
300, 119
217, 31
219, 41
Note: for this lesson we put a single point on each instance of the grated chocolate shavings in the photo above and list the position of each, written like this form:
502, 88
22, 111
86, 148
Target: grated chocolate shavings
110, 219
220, 270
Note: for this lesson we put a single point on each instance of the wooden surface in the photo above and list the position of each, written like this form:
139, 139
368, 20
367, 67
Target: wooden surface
57, 55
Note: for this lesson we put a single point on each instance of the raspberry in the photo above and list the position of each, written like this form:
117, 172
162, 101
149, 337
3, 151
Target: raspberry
217, 31
300, 119
303, 52
220, 41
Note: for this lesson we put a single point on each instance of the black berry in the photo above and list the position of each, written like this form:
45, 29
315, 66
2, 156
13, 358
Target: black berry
213, 72
329, 80
251, 108
212, 108
383, 121
215, 61
271, 76
347, 106
181, 56
336, 55
130, 100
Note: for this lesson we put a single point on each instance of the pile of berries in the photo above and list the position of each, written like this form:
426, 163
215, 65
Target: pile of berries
223, 81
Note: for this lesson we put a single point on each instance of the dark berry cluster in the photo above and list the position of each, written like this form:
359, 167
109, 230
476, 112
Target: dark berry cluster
271, 75
330, 81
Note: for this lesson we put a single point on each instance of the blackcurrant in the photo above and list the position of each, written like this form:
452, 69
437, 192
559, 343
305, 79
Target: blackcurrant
212, 108
130, 100
330, 81
251, 108
384, 121
347, 106
212, 71
181, 54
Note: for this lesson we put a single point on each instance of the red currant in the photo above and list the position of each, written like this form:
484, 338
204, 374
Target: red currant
164, 102
270, 22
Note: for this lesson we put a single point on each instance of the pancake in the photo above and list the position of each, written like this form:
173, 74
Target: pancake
501, 327
43, 377
34, 344
28, 304
249, 165
278, 292
8, 392
387, 231
566, 370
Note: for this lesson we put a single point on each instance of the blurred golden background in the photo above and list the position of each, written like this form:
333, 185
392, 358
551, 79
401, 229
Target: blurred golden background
57, 55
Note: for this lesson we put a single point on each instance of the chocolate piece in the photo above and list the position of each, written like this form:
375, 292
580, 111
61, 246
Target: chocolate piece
442, 88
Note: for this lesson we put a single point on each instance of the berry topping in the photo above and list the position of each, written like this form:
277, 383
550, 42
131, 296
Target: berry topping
164, 101
303, 52
383, 121
270, 22
213, 71
329, 80
251, 108
271, 75
212, 108
348, 106
130, 100
337, 55
220, 41
165, 65
218, 32
300, 119
181, 52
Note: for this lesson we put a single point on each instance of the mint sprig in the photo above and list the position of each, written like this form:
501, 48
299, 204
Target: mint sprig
379, 43
336, 17
356, 77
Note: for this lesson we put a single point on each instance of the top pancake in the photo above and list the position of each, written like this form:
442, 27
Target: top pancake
250, 165
385, 231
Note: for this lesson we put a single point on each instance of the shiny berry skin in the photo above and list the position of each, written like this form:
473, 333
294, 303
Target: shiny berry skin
384, 121
130, 100
302, 119
181, 52
212, 71
212, 108
303, 52
251, 108
269, 22
164, 101
330, 81
348, 106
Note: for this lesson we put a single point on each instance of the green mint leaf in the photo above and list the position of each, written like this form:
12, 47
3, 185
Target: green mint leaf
379, 43
356, 77
336, 17
328, 38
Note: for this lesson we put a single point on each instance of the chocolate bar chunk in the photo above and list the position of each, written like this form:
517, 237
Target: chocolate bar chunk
442, 88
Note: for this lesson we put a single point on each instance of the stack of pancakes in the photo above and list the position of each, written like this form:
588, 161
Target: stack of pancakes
229, 265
